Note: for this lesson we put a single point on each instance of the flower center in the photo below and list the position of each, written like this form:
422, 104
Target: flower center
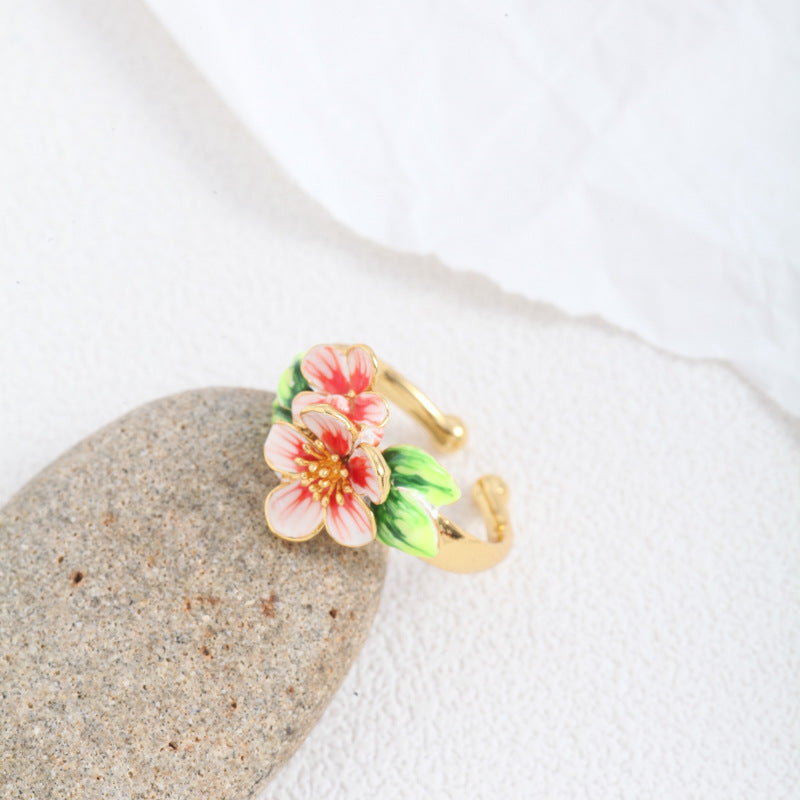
324, 473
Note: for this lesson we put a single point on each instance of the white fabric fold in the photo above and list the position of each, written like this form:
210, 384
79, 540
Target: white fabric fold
633, 161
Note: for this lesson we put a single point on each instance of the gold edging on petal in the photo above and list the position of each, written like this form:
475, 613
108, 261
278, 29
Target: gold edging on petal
339, 348
381, 469
388, 410
330, 411
372, 524
280, 535
373, 358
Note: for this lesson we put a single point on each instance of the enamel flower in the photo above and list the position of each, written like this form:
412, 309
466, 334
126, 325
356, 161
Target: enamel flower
326, 425
342, 378
330, 475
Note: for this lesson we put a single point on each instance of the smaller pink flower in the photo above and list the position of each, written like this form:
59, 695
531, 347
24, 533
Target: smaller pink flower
341, 378
327, 473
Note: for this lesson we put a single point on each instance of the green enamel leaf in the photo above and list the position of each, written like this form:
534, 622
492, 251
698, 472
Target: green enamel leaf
404, 522
280, 413
291, 383
414, 469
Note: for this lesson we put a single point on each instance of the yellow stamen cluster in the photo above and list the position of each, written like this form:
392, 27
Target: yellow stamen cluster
323, 473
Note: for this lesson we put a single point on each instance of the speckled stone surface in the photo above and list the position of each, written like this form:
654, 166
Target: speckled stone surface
156, 640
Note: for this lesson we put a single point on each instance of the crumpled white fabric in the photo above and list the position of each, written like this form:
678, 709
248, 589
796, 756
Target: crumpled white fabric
637, 161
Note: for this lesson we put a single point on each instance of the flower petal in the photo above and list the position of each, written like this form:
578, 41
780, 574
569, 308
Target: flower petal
369, 408
371, 436
330, 426
350, 523
369, 475
361, 365
284, 444
338, 401
325, 368
292, 512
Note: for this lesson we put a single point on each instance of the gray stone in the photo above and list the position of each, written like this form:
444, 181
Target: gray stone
156, 640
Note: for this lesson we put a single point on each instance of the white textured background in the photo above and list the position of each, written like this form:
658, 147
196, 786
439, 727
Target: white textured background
643, 640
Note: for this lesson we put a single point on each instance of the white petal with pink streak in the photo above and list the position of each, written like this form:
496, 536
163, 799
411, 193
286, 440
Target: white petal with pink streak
283, 445
360, 367
369, 408
351, 523
303, 399
369, 473
331, 427
325, 368
292, 512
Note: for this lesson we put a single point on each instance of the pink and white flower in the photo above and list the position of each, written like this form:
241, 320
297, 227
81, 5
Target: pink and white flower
328, 471
342, 378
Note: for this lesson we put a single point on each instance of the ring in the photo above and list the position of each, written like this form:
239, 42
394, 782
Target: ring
328, 420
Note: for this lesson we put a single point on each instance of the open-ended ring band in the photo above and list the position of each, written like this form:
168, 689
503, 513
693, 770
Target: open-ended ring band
325, 443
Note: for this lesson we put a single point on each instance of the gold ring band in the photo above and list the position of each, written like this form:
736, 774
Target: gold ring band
459, 551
